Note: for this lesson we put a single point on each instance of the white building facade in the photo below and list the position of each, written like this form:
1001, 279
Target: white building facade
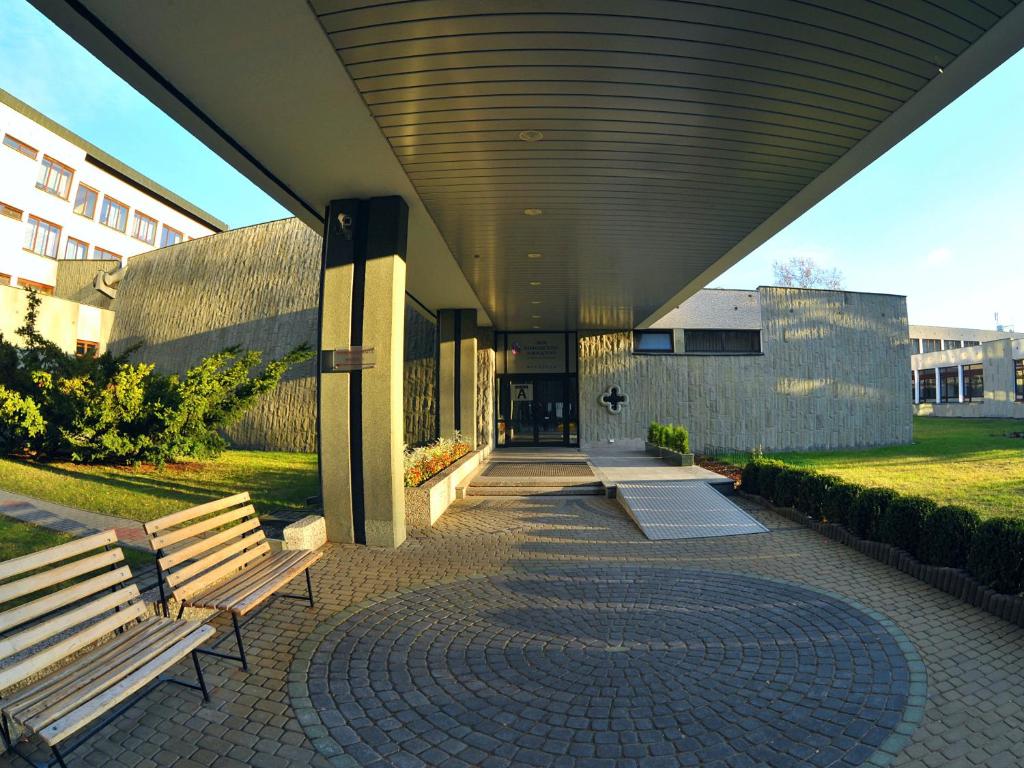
63, 198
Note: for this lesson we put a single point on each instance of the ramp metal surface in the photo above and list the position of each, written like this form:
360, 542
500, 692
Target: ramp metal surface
683, 510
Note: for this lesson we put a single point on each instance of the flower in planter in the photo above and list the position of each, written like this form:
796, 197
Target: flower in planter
422, 463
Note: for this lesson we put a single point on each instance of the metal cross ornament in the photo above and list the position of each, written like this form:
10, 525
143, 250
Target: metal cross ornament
613, 399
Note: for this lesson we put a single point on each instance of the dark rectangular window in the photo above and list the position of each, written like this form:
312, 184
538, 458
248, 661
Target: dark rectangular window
652, 341
722, 342
1018, 380
76, 250
20, 146
85, 201
144, 228
10, 211
952, 344
114, 214
931, 345
5, 279
39, 287
103, 253
927, 377
972, 343
42, 237
949, 384
915, 346
55, 178
170, 236
86, 348
974, 383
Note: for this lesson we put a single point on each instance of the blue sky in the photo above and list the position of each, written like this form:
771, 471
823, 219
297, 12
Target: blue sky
940, 218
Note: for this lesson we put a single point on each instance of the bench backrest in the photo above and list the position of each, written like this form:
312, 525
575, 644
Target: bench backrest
201, 546
92, 599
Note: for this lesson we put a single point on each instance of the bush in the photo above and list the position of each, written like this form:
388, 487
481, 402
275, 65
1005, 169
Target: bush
813, 494
421, 464
871, 503
749, 476
900, 523
678, 439
787, 483
766, 478
996, 556
839, 504
107, 410
653, 432
946, 536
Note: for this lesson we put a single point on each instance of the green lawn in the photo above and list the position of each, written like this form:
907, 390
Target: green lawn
17, 539
275, 481
953, 461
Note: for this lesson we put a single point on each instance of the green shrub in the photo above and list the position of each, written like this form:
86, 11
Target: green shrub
900, 523
767, 476
653, 430
946, 536
749, 476
868, 509
678, 439
840, 501
813, 493
787, 483
996, 556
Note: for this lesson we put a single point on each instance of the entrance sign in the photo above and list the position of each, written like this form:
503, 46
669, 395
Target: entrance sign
347, 359
535, 353
522, 393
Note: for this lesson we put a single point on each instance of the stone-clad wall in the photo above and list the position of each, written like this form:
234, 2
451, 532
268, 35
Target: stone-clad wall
833, 375
258, 288
75, 279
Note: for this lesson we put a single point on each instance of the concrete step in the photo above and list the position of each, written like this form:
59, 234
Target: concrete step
540, 480
590, 489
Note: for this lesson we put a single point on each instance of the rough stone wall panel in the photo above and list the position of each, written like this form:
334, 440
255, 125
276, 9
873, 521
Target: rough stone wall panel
75, 279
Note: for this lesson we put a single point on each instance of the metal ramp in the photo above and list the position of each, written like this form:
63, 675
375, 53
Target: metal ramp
689, 509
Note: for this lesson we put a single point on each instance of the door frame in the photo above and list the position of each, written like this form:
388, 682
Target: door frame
570, 397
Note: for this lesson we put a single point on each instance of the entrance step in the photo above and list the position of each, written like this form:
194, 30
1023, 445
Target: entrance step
541, 481
520, 489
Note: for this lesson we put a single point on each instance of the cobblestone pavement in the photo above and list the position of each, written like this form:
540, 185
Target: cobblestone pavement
760, 650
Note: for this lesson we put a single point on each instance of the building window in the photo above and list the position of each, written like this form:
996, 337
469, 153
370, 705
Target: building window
144, 228
949, 384
169, 236
114, 214
42, 237
952, 344
40, 287
915, 346
85, 201
722, 342
927, 379
931, 345
55, 178
5, 279
652, 341
974, 383
10, 211
76, 250
103, 253
86, 348
972, 343
20, 146
1018, 380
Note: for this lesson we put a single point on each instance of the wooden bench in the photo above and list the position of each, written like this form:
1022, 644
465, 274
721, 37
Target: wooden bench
216, 556
85, 599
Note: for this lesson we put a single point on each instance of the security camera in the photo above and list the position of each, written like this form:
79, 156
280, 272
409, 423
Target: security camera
346, 225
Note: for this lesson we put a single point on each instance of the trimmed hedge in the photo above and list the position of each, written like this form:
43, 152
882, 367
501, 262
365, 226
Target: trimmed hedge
669, 436
949, 536
901, 522
946, 536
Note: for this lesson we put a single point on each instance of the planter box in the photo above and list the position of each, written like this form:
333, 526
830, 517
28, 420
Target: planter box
652, 449
425, 503
677, 459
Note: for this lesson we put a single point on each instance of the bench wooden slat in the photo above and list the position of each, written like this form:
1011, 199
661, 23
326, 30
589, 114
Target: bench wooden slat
254, 599
76, 568
206, 580
65, 621
253, 575
188, 551
176, 518
85, 714
34, 560
33, 697
219, 555
26, 612
121, 667
181, 534
64, 648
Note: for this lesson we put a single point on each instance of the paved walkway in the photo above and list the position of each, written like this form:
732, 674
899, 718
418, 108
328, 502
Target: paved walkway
77, 522
548, 631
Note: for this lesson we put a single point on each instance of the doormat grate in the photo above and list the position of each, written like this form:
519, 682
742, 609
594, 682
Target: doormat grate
537, 469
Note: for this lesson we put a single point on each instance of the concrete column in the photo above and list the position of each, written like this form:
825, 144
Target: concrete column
917, 387
938, 387
360, 412
960, 382
457, 394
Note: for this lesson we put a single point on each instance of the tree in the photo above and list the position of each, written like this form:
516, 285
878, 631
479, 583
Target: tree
804, 272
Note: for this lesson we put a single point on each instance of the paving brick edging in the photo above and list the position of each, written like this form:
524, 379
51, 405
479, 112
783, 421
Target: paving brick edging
306, 663
953, 581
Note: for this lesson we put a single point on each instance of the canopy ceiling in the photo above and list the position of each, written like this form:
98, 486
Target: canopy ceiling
660, 141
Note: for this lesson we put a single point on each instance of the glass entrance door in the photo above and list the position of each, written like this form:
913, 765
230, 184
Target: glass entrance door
537, 410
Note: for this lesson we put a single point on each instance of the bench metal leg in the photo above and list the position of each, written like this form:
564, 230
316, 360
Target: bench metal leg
238, 639
199, 675
309, 587
59, 757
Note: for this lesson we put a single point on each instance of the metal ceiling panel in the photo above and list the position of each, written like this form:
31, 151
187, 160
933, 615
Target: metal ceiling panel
669, 130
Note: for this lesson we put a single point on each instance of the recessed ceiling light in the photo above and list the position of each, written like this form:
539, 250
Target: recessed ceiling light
535, 255
535, 283
535, 301
532, 211
530, 135
536, 327
535, 317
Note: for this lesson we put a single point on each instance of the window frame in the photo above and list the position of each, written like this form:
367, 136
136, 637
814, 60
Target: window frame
164, 229
95, 201
97, 251
46, 173
56, 248
127, 211
86, 347
1018, 381
21, 147
5, 279
944, 377
750, 332
937, 342
6, 207
43, 288
138, 216
654, 333
67, 244
926, 377
969, 383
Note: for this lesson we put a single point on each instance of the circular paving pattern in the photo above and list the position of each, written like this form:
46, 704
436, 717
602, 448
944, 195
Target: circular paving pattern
614, 666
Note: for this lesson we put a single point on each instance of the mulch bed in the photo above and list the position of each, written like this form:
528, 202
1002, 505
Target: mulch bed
728, 470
